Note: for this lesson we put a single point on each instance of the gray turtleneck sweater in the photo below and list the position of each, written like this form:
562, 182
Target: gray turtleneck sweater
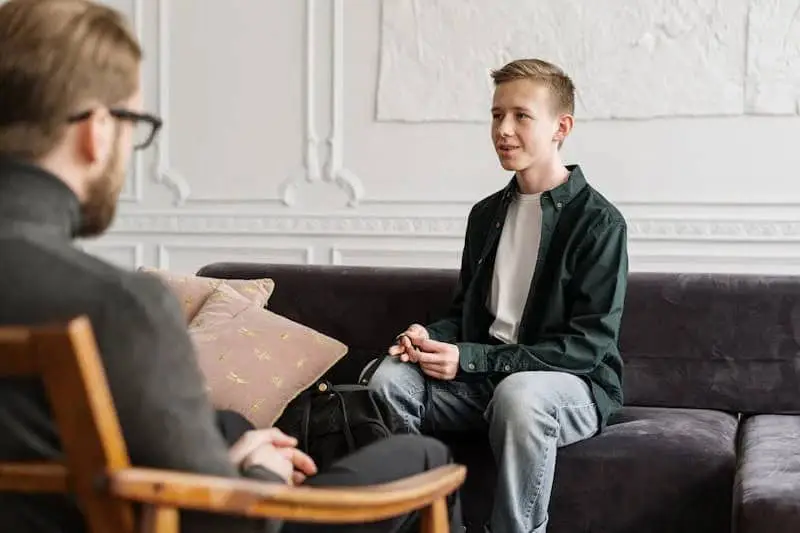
166, 417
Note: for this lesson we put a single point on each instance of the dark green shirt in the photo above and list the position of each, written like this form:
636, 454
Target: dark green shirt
571, 319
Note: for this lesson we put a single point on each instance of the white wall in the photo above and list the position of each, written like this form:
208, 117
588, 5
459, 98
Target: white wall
356, 131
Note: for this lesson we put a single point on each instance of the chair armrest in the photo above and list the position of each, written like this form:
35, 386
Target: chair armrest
767, 485
273, 500
34, 476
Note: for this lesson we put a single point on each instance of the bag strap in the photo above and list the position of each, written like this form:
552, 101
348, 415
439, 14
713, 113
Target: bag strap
306, 421
369, 370
348, 435
429, 405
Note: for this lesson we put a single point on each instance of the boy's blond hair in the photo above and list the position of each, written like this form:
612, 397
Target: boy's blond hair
55, 56
560, 86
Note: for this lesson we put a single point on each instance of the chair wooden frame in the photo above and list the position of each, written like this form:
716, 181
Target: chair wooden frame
98, 472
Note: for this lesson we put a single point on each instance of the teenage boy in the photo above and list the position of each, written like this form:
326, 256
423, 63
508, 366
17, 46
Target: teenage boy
529, 347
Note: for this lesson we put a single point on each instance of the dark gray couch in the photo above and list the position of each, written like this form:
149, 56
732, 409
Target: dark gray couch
709, 440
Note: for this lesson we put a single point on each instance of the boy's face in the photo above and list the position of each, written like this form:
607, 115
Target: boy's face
526, 130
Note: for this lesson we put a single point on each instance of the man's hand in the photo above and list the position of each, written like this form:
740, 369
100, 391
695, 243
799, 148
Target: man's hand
438, 360
302, 464
275, 451
406, 342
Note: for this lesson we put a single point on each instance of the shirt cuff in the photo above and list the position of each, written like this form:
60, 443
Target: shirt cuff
472, 357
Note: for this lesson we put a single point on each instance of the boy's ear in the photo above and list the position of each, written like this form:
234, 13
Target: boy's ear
565, 123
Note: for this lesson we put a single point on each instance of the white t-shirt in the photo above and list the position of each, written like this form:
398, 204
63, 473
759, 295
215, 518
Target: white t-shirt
514, 265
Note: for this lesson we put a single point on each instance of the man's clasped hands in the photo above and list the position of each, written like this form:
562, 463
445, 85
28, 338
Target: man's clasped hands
438, 360
274, 450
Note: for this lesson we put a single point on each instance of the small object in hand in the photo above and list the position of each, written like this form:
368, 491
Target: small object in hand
411, 342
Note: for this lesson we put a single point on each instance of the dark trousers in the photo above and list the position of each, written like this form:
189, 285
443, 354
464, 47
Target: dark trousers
384, 461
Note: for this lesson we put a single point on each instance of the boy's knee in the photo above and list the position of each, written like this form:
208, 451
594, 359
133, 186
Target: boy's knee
395, 378
522, 400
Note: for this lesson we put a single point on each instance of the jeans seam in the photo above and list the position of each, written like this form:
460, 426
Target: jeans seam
533, 492
550, 433
414, 392
410, 427
573, 406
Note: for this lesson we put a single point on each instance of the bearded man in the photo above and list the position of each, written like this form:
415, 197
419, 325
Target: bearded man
70, 117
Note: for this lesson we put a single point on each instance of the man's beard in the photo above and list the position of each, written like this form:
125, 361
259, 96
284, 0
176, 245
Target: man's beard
98, 211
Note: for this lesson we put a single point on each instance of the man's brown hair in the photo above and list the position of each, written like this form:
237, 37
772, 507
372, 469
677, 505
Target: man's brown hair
56, 56
560, 86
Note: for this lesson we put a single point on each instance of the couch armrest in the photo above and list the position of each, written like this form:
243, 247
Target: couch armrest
767, 489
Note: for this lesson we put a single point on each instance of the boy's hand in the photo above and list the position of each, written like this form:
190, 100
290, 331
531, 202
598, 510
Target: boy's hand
406, 342
438, 360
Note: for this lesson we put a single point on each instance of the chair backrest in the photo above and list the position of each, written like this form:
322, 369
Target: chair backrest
65, 357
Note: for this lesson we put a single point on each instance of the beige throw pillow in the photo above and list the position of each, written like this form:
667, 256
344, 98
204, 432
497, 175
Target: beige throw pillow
256, 361
193, 291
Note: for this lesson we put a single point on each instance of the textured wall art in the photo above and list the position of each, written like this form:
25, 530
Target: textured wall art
629, 60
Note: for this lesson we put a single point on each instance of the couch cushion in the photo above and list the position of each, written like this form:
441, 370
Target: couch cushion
712, 341
767, 490
655, 470
254, 360
193, 291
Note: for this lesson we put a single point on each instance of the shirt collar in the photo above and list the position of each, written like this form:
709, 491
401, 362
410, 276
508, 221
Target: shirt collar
563, 194
33, 199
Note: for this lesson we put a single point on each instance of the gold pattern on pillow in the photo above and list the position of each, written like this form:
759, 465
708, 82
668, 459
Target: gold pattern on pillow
193, 291
256, 361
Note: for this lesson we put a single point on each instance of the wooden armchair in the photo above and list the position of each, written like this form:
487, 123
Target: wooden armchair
98, 472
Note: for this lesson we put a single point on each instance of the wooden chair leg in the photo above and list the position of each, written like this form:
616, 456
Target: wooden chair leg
434, 518
157, 519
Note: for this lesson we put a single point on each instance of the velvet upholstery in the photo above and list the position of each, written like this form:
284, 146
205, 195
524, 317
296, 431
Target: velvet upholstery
767, 489
712, 341
699, 349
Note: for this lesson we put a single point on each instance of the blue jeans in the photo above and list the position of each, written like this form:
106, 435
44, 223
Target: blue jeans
529, 415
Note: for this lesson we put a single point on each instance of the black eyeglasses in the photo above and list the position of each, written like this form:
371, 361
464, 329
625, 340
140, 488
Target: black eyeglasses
146, 125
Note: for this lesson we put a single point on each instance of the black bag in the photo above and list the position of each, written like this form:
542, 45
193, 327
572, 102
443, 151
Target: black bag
332, 421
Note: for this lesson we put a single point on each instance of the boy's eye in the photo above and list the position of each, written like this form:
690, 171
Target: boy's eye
496, 116
521, 116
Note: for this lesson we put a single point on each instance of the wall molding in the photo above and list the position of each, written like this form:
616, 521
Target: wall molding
704, 229
772, 264
312, 170
165, 173
163, 251
339, 254
257, 224
110, 246
334, 171
134, 190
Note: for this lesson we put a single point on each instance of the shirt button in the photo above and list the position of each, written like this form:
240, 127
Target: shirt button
558, 205
471, 366
507, 368
480, 260
497, 225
